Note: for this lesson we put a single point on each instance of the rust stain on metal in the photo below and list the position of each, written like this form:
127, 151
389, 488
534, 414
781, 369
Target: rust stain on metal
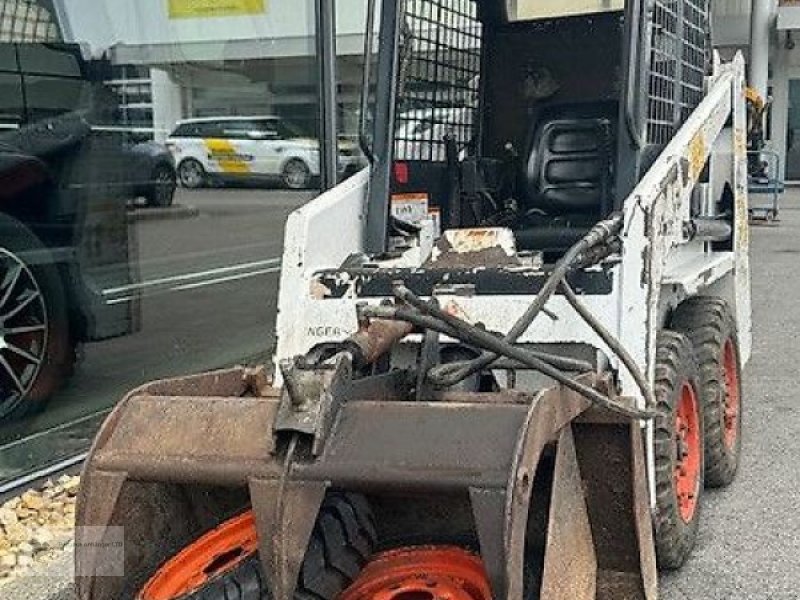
455, 309
570, 568
474, 240
553, 410
319, 291
377, 337
467, 248
740, 140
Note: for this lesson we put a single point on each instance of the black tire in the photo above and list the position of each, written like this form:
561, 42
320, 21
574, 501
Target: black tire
39, 327
163, 184
709, 324
676, 379
342, 542
192, 174
296, 175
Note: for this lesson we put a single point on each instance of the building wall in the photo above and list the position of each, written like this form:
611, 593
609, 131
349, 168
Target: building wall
168, 103
144, 31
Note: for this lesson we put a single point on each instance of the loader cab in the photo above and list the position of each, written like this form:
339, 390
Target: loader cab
541, 114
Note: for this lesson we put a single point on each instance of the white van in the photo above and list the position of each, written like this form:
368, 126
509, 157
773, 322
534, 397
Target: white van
266, 148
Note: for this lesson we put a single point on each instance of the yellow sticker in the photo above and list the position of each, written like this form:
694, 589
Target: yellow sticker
194, 9
698, 152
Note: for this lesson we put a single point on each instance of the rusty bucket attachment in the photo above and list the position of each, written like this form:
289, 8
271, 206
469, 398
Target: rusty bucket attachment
547, 485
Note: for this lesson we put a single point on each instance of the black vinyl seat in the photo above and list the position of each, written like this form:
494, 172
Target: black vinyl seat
568, 179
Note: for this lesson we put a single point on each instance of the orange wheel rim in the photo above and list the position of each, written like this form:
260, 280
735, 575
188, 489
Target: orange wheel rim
424, 573
732, 398
688, 452
217, 552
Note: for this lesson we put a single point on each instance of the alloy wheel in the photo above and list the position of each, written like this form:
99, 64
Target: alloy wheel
23, 329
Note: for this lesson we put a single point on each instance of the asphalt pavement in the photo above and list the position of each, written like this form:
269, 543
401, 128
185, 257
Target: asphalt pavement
749, 546
205, 278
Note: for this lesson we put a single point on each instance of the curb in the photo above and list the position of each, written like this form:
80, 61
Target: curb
173, 213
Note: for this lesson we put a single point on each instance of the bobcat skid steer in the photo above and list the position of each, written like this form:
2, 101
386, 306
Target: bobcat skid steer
510, 350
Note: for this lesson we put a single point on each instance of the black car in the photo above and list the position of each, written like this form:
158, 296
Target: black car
64, 234
152, 173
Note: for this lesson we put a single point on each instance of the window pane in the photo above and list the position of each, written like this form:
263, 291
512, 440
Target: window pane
351, 25
51, 96
142, 236
11, 107
8, 57
64, 61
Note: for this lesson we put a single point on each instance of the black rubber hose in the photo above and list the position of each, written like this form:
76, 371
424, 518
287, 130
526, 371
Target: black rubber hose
573, 365
482, 339
613, 344
448, 375
559, 362
563, 363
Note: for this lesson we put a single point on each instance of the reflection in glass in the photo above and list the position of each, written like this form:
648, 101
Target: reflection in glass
148, 161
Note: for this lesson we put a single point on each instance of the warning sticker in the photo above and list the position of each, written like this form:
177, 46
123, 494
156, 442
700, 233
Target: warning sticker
411, 208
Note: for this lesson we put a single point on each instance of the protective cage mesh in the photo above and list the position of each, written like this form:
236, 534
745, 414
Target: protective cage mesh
440, 64
26, 21
678, 64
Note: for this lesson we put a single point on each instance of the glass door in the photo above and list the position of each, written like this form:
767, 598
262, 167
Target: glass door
793, 132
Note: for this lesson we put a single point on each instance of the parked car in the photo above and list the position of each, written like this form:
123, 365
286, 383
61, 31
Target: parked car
63, 220
250, 148
153, 173
420, 134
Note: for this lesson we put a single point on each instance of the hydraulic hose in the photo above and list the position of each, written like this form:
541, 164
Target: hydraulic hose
427, 316
563, 363
482, 339
614, 345
451, 374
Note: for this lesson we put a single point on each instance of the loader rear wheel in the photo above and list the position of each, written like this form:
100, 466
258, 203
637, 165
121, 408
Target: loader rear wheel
224, 564
422, 573
678, 449
711, 327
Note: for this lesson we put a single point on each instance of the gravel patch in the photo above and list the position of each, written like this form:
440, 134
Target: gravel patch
48, 580
36, 526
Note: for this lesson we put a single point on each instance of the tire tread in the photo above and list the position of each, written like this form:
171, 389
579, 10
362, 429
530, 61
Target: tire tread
675, 363
340, 545
708, 323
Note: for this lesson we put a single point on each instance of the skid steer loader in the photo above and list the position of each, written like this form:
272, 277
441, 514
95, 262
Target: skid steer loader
510, 350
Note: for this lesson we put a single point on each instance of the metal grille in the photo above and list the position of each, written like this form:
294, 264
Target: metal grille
26, 21
678, 63
440, 65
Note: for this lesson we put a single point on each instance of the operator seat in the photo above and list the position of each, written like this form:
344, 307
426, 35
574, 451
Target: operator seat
568, 179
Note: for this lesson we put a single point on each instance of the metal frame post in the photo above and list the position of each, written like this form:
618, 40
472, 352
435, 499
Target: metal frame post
326, 56
383, 136
760, 24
